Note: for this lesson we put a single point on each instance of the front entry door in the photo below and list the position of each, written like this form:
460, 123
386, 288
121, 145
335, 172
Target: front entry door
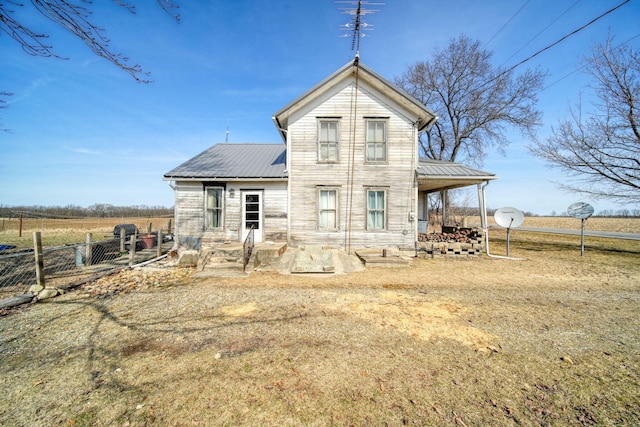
252, 214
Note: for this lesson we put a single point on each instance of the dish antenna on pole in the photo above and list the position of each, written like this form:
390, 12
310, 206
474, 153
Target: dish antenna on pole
508, 218
582, 211
356, 27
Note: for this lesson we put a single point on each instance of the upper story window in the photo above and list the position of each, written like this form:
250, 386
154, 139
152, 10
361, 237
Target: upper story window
328, 141
214, 205
376, 140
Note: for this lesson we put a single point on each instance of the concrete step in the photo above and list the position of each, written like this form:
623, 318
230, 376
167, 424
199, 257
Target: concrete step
225, 260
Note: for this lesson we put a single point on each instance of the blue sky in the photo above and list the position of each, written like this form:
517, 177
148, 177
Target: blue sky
84, 132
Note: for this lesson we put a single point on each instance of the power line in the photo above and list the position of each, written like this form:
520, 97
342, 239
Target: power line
584, 66
542, 31
506, 23
563, 38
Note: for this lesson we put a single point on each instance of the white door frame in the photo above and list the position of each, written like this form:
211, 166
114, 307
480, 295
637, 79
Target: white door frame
253, 215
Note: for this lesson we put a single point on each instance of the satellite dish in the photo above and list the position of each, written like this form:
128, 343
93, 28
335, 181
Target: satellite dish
509, 217
580, 210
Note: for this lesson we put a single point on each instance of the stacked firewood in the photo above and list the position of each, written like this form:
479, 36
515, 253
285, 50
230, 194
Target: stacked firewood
462, 235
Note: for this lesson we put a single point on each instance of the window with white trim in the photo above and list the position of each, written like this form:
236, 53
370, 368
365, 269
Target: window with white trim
214, 207
328, 141
376, 210
376, 140
328, 209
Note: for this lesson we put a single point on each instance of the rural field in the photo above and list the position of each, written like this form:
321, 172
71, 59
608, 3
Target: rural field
64, 231
551, 339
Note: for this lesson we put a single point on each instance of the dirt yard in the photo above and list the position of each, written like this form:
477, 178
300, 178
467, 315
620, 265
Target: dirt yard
549, 340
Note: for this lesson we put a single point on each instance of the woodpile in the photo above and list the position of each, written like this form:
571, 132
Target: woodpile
460, 235
455, 242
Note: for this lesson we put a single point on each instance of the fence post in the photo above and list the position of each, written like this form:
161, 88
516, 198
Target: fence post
37, 250
149, 227
123, 238
88, 250
159, 242
132, 248
169, 227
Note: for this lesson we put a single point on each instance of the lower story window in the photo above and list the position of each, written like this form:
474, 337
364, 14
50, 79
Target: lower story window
328, 210
376, 208
214, 207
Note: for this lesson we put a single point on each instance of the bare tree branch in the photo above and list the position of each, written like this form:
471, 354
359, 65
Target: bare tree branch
3, 104
600, 153
75, 17
476, 102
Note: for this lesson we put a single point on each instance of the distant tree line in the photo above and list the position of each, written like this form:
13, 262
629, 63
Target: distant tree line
98, 210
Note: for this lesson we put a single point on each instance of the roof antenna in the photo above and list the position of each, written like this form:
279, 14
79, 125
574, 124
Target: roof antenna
355, 29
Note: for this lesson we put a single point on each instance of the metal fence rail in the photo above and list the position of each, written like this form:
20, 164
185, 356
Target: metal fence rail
64, 266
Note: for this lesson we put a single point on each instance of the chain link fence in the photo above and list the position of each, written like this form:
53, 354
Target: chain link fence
72, 264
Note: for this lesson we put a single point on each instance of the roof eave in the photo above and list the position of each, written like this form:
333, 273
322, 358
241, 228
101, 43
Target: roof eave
280, 118
223, 178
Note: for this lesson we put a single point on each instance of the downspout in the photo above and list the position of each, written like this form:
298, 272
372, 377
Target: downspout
483, 221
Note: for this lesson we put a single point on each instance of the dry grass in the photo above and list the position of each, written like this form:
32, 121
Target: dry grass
64, 231
619, 225
550, 340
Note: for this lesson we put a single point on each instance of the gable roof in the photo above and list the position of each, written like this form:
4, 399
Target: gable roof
234, 161
439, 175
425, 116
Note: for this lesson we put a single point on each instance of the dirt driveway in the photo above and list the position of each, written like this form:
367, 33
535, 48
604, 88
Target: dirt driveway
549, 340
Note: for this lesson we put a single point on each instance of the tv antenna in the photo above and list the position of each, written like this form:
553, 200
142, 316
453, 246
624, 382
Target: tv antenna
357, 26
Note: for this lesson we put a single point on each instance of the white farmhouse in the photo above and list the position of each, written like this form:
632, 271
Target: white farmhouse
347, 173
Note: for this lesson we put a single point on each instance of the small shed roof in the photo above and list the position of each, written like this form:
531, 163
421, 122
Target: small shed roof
234, 161
439, 175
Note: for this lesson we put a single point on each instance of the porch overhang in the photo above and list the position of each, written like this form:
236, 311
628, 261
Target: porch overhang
438, 175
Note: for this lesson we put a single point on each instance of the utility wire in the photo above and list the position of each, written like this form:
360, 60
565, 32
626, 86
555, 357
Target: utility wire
585, 65
506, 23
562, 39
542, 31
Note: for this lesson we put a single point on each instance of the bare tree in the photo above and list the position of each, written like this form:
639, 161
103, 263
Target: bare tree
600, 151
75, 17
475, 102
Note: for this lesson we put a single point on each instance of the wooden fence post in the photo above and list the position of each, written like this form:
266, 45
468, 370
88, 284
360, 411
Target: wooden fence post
37, 250
159, 242
132, 248
88, 250
123, 239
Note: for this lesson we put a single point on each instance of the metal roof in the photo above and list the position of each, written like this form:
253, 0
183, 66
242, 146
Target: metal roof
438, 175
268, 161
236, 161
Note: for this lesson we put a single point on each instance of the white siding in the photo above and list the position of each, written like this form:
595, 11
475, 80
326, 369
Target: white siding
190, 212
396, 176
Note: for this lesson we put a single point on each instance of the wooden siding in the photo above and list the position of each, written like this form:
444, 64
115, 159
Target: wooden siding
190, 212
396, 176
